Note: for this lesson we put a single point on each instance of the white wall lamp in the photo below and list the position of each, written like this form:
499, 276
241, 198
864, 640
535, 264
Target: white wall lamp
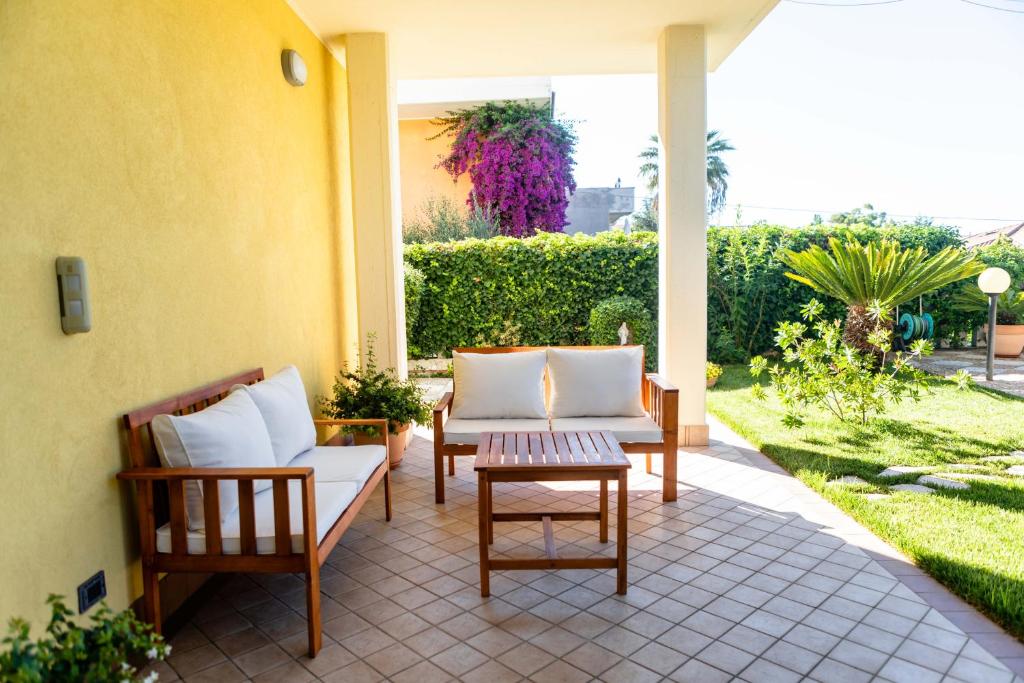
294, 68
992, 281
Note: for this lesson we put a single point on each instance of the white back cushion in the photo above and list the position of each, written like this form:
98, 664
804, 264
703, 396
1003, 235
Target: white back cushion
282, 403
601, 383
496, 385
230, 433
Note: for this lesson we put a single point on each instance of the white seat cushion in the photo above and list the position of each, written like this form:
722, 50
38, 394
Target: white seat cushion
230, 433
282, 403
468, 431
596, 383
626, 429
341, 463
499, 385
332, 499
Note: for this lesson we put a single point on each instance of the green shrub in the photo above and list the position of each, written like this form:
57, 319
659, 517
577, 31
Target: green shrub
533, 291
824, 372
107, 648
608, 316
414, 286
441, 219
541, 290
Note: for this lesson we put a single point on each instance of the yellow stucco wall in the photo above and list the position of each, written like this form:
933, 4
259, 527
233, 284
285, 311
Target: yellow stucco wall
158, 140
420, 179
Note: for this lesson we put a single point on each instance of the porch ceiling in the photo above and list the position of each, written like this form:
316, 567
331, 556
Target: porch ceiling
465, 38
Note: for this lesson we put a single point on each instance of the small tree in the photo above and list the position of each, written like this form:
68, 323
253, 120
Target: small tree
822, 371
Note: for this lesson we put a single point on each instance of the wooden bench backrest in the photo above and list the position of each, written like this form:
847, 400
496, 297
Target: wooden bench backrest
547, 379
141, 447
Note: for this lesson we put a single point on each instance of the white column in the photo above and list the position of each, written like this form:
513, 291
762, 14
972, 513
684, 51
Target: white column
376, 202
682, 268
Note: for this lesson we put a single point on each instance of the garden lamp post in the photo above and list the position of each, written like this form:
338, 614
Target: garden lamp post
992, 281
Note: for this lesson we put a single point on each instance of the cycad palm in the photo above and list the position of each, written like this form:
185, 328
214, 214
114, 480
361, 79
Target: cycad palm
876, 275
717, 171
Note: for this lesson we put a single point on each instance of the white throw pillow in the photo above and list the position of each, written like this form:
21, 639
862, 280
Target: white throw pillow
282, 403
495, 385
230, 433
603, 383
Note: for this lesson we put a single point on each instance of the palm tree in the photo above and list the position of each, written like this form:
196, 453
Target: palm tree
875, 277
718, 172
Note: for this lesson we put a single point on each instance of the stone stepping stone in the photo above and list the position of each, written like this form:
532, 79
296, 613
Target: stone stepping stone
848, 480
942, 482
1013, 457
876, 496
965, 466
968, 475
912, 488
900, 470
1016, 470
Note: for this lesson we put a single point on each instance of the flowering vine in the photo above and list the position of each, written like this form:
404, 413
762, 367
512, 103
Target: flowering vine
519, 160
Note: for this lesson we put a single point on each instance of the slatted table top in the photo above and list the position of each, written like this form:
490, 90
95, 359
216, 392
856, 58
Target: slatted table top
549, 450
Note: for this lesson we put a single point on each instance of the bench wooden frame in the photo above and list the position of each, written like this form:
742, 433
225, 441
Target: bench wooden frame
160, 498
660, 400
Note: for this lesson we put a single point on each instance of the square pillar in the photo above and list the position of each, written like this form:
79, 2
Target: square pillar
376, 201
682, 237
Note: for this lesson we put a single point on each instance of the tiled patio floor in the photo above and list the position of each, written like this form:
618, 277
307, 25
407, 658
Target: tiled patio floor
748, 576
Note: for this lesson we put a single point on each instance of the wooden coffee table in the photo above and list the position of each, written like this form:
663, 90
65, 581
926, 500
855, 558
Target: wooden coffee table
551, 456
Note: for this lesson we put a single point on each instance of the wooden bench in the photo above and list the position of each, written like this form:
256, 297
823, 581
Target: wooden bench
660, 401
160, 499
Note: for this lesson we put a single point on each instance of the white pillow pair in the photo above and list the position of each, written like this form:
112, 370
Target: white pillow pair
263, 425
584, 383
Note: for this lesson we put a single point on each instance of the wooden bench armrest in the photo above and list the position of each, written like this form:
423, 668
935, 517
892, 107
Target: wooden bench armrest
215, 473
444, 404
661, 400
175, 478
660, 382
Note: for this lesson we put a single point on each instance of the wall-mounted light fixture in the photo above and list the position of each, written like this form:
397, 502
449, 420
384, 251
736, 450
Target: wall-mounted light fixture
73, 295
294, 68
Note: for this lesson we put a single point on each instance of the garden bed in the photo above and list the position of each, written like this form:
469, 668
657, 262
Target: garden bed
971, 540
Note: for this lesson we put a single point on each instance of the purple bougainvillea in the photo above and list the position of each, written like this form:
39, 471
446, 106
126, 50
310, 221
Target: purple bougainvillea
519, 160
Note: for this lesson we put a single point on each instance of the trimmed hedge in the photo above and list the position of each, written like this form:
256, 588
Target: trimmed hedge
533, 291
541, 290
610, 314
415, 283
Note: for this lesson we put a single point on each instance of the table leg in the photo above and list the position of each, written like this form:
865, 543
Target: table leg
484, 504
620, 549
490, 512
604, 511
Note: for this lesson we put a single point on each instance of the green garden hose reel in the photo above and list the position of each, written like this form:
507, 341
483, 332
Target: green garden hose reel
911, 327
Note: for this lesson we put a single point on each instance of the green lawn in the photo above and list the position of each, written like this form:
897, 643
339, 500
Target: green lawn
972, 541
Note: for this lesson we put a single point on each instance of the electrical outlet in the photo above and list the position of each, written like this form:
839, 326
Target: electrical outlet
92, 591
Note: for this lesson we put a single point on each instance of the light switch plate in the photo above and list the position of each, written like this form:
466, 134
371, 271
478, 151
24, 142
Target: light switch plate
73, 291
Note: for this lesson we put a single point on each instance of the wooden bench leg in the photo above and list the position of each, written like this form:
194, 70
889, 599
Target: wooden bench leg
648, 463
313, 604
387, 494
451, 465
669, 465
438, 470
604, 511
151, 598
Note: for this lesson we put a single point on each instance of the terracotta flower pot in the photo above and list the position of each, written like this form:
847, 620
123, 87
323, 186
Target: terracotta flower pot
397, 443
1009, 340
711, 382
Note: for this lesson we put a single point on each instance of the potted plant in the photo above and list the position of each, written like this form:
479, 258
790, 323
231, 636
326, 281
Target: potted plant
372, 392
712, 371
1009, 316
110, 648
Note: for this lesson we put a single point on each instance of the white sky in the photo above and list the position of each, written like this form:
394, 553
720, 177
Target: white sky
916, 107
